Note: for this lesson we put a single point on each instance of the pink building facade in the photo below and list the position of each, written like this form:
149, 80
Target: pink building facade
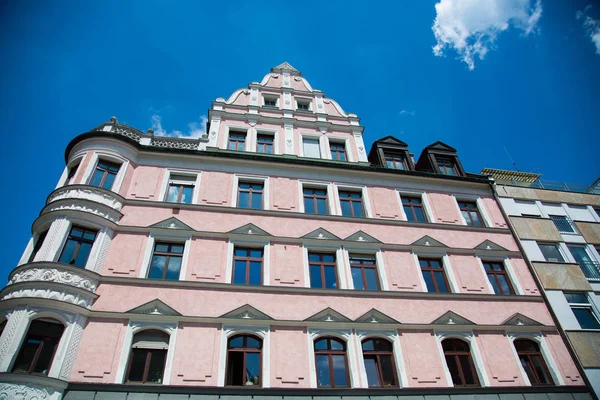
274, 256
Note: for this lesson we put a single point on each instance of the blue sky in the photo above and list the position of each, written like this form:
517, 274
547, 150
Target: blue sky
69, 65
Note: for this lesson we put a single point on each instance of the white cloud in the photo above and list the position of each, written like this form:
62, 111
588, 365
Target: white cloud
406, 112
591, 26
471, 27
195, 129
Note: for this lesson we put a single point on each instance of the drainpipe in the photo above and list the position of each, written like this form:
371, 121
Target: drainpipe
536, 279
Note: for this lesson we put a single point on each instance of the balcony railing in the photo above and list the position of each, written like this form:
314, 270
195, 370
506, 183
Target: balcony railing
591, 269
563, 224
552, 185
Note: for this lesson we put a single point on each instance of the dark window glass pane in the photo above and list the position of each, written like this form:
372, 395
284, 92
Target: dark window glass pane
388, 370
454, 371
372, 373
420, 215
476, 220
315, 277
69, 250
314, 257
157, 267
551, 252
586, 318
506, 289
323, 375
252, 369
469, 374
368, 345
241, 252
321, 344
173, 194
239, 275
256, 253
236, 342
83, 254
441, 282
328, 258
177, 248
358, 210
244, 201
256, 201
494, 283
339, 370
97, 178
382, 345
89, 235
28, 350
580, 298
161, 248
157, 366
138, 364
109, 180
173, 268
321, 206
309, 205
244, 185
252, 343
357, 278
235, 368
255, 272
428, 281
336, 345
540, 369
346, 209
186, 195
330, 280
371, 275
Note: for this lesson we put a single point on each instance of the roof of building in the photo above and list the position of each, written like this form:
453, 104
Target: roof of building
516, 176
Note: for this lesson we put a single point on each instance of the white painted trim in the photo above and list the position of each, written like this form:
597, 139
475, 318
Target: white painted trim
539, 339
134, 327
313, 136
342, 264
460, 216
420, 273
169, 172
394, 338
147, 256
339, 140
513, 276
357, 188
469, 337
268, 132
264, 333
266, 199
184, 259
424, 200
306, 266
450, 274
316, 184
381, 272
229, 128
484, 213
123, 164
266, 267
229, 266
314, 334
75, 160
507, 267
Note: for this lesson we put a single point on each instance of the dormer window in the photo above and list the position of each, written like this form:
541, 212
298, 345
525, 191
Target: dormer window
303, 105
395, 161
446, 166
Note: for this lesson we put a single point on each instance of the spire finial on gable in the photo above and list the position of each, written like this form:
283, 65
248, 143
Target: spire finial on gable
286, 67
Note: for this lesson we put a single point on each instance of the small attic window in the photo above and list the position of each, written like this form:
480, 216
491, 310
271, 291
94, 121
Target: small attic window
270, 101
447, 166
395, 160
303, 104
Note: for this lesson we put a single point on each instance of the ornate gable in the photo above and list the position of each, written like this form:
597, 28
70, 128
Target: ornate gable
362, 237
489, 245
246, 312
171, 223
452, 318
520, 320
154, 307
320, 234
428, 241
328, 315
250, 229
285, 67
374, 316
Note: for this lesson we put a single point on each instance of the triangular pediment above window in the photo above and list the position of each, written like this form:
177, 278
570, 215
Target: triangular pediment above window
171, 223
250, 229
320, 234
441, 146
428, 241
489, 245
520, 320
391, 140
154, 307
374, 316
362, 237
246, 312
452, 318
328, 315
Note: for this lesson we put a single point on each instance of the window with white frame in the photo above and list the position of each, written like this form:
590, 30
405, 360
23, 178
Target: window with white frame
414, 207
459, 361
315, 199
338, 150
39, 347
247, 265
363, 268
148, 357
434, 274
351, 202
302, 104
78, 246
166, 260
311, 147
551, 252
237, 140
180, 188
265, 143
498, 277
244, 360
471, 213
583, 310
532, 361
378, 359
562, 223
331, 362
270, 101
104, 174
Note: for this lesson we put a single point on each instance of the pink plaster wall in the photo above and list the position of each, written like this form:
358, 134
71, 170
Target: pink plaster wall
207, 260
469, 274
422, 359
444, 208
563, 360
215, 188
99, 351
524, 276
493, 210
285, 259
196, 357
499, 359
242, 99
384, 203
298, 84
284, 194
275, 82
127, 178
87, 159
145, 183
331, 110
125, 254
401, 271
289, 357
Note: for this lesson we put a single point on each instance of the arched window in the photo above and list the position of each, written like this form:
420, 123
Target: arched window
331, 362
460, 363
39, 346
244, 361
148, 357
378, 355
532, 362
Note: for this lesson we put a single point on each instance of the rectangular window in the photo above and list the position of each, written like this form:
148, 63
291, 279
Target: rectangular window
303, 105
38, 245
166, 261
250, 195
104, 175
364, 272
237, 140
338, 151
395, 161
181, 189
498, 277
264, 144
470, 213
589, 267
551, 252
315, 200
78, 246
413, 208
434, 275
247, 266
351, 203
562, 223
270, 101
582, 309
447, 166
322, 271
311, 148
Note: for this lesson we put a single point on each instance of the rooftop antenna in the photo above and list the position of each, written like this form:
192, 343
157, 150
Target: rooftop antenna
511, 160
